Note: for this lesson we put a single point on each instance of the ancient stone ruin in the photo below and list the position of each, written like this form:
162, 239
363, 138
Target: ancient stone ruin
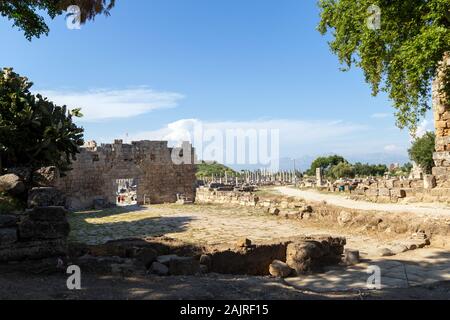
442, 124
100, 171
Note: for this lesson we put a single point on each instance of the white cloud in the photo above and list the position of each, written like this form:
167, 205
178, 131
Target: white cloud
299, 136
392, 148
102, 104
380, 115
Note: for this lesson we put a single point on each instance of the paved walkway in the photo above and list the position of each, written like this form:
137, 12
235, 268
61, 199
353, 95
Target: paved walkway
414, 268
435, 210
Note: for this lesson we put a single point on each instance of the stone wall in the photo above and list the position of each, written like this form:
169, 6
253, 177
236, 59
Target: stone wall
441, 111
36, 234
159, 179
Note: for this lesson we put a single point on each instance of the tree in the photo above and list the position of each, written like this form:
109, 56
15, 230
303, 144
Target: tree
342, 170
325, 163
207, 169
422, 150
34, 132
26, 14
366, 170
401, 57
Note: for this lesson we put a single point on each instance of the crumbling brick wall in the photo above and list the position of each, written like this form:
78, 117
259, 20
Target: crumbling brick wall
441, 111
150, 163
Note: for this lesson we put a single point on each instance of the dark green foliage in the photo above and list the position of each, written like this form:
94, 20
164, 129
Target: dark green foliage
422, 150
33, 131
369, 170
207, 169
341, 170
26, 14
325, 163
401, 57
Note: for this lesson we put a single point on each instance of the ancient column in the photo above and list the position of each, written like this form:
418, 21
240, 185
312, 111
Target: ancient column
441, 111
319, 177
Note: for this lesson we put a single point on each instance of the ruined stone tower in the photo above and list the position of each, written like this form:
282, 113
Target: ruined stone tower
441, 110
160, 173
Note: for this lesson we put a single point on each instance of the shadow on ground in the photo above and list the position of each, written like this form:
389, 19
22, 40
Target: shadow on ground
97, 227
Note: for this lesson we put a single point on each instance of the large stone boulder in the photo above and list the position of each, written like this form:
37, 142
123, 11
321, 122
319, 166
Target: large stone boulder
46, 176
8, 236
45, 197
184, 266
280, 269
304, 257
12, 184
8, 221
312, 255
44, 223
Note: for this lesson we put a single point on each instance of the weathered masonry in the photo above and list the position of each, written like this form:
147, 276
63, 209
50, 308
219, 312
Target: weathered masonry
442, 124
99, 171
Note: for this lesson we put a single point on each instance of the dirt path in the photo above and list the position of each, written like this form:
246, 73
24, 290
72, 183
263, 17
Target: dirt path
434, 210
202, 225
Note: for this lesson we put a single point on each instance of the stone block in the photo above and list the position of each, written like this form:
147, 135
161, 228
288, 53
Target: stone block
12, 184
32, 250
8, 236
185, 266
8, 221
280, 269
159, 269
398, 193
45, 197
429, 182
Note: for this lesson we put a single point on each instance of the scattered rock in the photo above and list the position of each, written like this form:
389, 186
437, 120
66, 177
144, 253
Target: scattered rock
280, 269
274, 211
206, 260
126, 268
398, 248
88, 263
166, 259
12, 184
344, 218
204, 269
145, 256
306, 209
159, 269
385, 252
45, 197
306, 216
244, 243
8, 221
351, 257
184, 266
8, 236
292, 215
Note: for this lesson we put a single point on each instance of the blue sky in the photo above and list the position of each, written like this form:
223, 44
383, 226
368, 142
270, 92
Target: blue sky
221, 62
